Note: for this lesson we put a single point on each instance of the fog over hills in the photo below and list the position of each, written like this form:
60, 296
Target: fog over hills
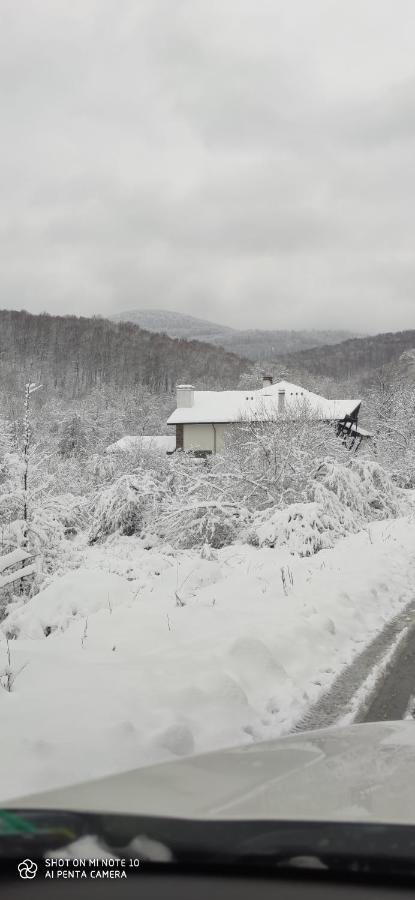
255, 344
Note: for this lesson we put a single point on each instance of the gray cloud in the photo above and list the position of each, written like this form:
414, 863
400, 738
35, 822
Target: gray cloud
247, 160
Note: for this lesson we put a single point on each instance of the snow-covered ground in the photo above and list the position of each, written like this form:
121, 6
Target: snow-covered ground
154, 654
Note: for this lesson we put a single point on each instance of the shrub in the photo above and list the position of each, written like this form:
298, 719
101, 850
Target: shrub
124, 506
117, 508
342, 498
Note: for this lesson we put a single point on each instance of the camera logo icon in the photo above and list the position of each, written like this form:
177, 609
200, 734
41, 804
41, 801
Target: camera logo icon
27, 868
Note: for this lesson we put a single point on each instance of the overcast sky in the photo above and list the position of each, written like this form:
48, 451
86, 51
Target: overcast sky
247, 161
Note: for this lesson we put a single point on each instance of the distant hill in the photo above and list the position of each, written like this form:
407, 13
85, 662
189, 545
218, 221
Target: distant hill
73, 355
174, 324
255, 344
263, 346
357, 358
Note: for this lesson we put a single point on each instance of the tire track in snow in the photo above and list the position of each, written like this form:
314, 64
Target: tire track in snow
392, 699
347, 697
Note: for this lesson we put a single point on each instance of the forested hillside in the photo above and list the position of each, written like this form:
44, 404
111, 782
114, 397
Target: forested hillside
259, 345
72, 356
358, 359
263, 345
175, 324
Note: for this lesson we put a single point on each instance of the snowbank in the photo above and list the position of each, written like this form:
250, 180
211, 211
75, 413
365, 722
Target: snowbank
155, 654
74, 596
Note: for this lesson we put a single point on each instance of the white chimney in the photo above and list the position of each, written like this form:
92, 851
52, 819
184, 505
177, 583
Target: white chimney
266, 380
185, 395
281, 401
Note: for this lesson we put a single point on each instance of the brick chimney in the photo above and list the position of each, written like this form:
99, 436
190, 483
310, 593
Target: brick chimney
185, 395
266, 380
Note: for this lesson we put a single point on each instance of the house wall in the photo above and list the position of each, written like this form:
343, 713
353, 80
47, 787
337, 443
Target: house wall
203, 437
221, 430
210, 438
198, 437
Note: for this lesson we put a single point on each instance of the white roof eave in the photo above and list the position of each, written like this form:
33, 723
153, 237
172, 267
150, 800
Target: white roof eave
225, 407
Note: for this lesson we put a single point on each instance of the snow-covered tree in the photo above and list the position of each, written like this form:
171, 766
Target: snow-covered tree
128, 505
30, 389
5, 440
73, 440
392, 420
25, 498
267, 461
263, 464
197, 506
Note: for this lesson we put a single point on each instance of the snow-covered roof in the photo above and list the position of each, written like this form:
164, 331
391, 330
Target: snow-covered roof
234, 406
154, 443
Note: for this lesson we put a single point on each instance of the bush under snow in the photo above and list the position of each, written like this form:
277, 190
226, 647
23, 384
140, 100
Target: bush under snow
342, 500
361, 486
301, 528
122, 506
197, 525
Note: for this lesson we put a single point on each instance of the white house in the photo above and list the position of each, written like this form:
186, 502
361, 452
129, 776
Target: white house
203, 417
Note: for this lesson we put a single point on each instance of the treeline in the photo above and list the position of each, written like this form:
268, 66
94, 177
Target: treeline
359, 358
255, 344
72, 356
264, 346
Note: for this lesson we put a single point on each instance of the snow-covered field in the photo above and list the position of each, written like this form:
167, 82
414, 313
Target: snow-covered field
153, 654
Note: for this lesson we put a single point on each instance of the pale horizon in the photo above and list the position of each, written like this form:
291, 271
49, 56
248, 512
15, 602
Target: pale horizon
198, 318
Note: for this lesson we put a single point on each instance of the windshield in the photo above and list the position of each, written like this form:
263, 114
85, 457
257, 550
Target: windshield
207, 410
